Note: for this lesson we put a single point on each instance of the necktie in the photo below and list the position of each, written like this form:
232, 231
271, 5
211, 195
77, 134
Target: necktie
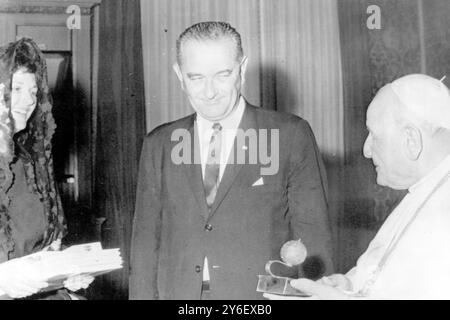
212, 168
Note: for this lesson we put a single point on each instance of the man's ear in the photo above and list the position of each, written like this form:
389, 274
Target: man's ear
177, 70
414, 142
243, 69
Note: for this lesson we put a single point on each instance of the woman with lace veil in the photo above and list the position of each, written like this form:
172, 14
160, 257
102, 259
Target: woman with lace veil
31, 217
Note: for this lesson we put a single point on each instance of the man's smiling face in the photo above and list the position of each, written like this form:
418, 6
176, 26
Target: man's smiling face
211, 76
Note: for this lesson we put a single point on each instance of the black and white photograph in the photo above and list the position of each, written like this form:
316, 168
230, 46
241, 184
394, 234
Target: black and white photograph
225, 150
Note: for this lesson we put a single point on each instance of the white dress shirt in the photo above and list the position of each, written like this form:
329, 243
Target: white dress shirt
419, 265
205, 131
229, 129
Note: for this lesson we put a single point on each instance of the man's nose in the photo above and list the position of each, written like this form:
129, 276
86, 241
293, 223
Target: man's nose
367, 151
210, 90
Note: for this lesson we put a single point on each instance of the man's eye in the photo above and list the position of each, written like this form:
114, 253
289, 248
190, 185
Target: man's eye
195, 78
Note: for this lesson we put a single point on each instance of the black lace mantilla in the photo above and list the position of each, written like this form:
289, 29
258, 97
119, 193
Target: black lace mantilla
34, 147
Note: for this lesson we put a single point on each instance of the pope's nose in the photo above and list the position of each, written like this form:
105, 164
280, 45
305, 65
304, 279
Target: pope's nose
367, 149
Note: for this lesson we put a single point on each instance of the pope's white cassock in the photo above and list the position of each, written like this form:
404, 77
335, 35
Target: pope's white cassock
409, 258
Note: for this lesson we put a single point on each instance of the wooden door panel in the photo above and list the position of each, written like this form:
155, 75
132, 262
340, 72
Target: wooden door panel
48, 37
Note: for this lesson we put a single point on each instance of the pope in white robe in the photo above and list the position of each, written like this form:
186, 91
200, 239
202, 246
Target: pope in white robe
409, 144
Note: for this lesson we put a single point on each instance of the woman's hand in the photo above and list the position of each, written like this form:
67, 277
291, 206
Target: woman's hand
16, 282
78, 282
20, 287
54, 246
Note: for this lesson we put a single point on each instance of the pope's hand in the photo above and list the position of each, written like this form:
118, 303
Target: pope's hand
271, 296
338, 281
78, 282
16, 280
319, 290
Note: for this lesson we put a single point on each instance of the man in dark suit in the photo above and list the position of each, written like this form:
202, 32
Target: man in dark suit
221, 190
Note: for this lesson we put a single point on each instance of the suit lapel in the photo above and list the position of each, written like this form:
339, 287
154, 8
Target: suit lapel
193, 171
248, 121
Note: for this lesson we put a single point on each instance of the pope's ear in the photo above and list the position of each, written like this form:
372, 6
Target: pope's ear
414, 142
243, 68
177, 70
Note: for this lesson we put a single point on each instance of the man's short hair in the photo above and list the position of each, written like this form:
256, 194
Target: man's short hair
210, 30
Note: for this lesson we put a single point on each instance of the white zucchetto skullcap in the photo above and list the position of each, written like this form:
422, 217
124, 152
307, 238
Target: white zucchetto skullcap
427, 98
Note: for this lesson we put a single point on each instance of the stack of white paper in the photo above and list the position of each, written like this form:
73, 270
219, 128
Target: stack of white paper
54, 267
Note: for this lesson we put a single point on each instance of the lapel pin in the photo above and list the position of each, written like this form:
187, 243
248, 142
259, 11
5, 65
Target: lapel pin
244, 147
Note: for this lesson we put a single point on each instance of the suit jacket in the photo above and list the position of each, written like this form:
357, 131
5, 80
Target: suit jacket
247, 225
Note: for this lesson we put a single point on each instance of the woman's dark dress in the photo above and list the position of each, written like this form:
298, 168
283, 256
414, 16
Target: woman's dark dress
28, 223
28, 220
